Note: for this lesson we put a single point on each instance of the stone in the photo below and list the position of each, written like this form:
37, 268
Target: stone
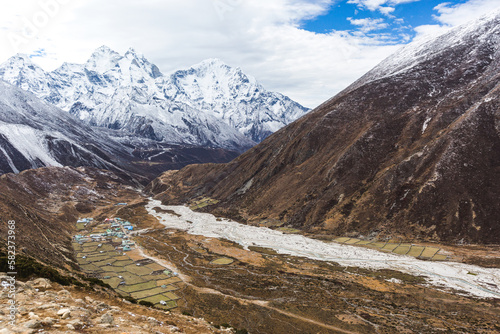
30, 331
41, 283
102, 305
77, 324
64, 313
48, 321
47, 306
32, 324
107, 318
70, 327
5, 331
63, 293
33, 316
89, 300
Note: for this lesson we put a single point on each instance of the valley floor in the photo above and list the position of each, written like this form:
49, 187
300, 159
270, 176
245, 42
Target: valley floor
265, 281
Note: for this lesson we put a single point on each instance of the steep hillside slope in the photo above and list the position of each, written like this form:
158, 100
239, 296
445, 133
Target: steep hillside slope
412, 149
45, 204
34, 134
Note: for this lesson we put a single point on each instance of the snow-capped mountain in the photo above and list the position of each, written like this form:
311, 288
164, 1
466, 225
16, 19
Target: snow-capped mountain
229, 94
209, 105
35, 134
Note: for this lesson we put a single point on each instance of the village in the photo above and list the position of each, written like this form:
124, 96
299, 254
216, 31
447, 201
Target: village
105, 250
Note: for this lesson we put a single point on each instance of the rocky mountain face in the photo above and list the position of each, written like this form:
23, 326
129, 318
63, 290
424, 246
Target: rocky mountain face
35, 134
45, 204
228, 94
410, 150
209, 105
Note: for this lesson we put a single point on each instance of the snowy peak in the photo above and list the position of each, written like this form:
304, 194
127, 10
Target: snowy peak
467, 40
234, 97
209, 104
22, 72
103, 59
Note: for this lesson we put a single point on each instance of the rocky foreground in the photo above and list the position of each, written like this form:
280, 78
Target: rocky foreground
46, 307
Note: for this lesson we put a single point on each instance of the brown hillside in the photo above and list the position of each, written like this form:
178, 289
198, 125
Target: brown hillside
412, 149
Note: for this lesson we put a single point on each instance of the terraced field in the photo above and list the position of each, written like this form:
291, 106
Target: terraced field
393, 246
126, 271
204, 202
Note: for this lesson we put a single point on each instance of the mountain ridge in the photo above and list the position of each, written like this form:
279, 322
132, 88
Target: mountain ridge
411, 154
131, 94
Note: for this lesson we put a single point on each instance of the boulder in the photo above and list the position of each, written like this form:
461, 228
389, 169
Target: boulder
64, 313
32, 324
41, 283
107, 318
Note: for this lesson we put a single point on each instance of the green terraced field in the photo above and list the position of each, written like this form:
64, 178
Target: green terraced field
440, 257
104, 263
172, 295
148, 293
222, 261
156, 277
390, 247
139, 270
415, 251
402, 250
131, 279
123, 263
429, 252
171, 280
170, 305
113, 281
91, 244
171, 287
113, 269
91, 267
157, 299
377, 244
342, 239
155, 266
289, 230
139, 287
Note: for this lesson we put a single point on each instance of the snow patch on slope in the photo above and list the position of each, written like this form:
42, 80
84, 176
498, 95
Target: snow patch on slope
31, 143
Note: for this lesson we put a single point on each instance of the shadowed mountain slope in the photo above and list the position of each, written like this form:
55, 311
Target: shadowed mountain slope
412, 149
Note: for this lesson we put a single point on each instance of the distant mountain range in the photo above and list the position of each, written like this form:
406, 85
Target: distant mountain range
410, 150
209, 105
36, 134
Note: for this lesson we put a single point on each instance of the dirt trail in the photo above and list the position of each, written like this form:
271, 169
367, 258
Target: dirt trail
262, 303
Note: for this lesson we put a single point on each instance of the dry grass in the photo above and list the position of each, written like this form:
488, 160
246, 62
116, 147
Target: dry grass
222, 261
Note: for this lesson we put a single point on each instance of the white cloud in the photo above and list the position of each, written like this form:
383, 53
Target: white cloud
454, 15
368, 24
262, 37
450, 15
387, 10
374, 5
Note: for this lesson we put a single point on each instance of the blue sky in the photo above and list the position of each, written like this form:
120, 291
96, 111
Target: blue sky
308, 50
397, 21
